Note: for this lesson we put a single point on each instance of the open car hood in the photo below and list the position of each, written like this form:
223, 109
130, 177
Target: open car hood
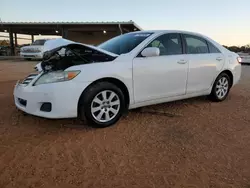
57, 43
59, 54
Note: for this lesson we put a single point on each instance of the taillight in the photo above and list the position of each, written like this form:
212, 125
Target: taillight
239, 59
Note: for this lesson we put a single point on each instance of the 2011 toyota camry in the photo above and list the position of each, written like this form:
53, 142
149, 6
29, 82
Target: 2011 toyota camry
129, 71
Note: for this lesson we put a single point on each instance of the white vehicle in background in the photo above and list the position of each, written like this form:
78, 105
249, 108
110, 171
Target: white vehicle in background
129, 71
245, 57
33, 51
52, 44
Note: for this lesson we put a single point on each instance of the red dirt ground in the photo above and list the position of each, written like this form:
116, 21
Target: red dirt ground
192, 143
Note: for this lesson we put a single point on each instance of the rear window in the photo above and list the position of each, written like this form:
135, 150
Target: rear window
212, 48
39, 42
124, 43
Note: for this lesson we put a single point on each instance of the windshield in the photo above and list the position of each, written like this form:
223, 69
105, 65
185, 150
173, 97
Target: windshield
124, 43
39, 42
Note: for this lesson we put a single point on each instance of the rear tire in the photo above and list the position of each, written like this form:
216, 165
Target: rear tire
221, 88
102, 104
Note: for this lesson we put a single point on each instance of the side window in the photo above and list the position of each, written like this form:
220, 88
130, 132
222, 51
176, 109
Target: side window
169, 44
196, 45
212, 48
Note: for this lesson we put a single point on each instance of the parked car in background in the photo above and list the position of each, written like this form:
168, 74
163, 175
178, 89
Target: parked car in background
245, 57
129, 71
33, 51
4, 50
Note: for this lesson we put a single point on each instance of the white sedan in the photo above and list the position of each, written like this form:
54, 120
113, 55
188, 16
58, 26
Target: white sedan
129, 71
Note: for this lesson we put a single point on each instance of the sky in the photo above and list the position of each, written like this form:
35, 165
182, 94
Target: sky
226, 21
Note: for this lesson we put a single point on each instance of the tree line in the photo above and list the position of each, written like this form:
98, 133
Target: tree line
245, 49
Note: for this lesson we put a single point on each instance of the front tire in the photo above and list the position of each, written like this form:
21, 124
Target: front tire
220, 88
102, 104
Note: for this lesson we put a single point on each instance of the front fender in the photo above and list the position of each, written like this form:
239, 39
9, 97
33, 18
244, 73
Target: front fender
121, 71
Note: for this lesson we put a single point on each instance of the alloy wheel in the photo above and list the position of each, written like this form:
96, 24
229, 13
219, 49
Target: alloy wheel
222, 87
105, 106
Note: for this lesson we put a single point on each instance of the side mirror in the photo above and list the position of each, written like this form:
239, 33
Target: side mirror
150, 52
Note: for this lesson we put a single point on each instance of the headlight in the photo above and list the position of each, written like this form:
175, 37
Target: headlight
57, 76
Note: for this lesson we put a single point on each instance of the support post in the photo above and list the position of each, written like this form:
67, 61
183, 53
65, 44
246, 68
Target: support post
120, 27
12, 47
32, 38
64, 33
16, 40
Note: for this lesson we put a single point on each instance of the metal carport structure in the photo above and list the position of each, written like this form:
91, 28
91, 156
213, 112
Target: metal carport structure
85, 32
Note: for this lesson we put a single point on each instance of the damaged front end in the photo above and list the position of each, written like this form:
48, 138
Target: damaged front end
62, 54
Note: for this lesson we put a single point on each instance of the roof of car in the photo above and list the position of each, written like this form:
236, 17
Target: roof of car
167, 31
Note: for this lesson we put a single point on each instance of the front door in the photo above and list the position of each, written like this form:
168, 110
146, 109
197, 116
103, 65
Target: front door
164, 75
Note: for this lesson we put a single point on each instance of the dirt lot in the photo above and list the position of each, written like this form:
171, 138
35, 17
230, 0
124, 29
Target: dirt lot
192, 144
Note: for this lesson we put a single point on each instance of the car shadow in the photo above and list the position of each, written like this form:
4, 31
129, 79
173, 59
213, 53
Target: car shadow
19, 118
160, 109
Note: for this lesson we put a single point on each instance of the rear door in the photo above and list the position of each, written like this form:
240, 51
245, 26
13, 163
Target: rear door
204, 60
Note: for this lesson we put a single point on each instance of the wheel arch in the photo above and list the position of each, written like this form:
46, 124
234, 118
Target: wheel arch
230, 74
114, 81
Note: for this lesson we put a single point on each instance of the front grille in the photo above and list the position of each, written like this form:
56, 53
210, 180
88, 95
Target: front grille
30, 50
29, 56
28, 79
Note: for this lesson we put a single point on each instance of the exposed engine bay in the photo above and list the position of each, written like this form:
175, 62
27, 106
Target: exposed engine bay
69, 55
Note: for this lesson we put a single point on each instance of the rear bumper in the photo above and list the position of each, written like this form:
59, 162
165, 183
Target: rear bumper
236, 74
38, 55
63, 96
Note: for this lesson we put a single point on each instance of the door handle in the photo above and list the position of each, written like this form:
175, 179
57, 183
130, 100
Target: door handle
219, 58
182, 61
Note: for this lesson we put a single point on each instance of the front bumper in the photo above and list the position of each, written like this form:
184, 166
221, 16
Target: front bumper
63, 96
37, 55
